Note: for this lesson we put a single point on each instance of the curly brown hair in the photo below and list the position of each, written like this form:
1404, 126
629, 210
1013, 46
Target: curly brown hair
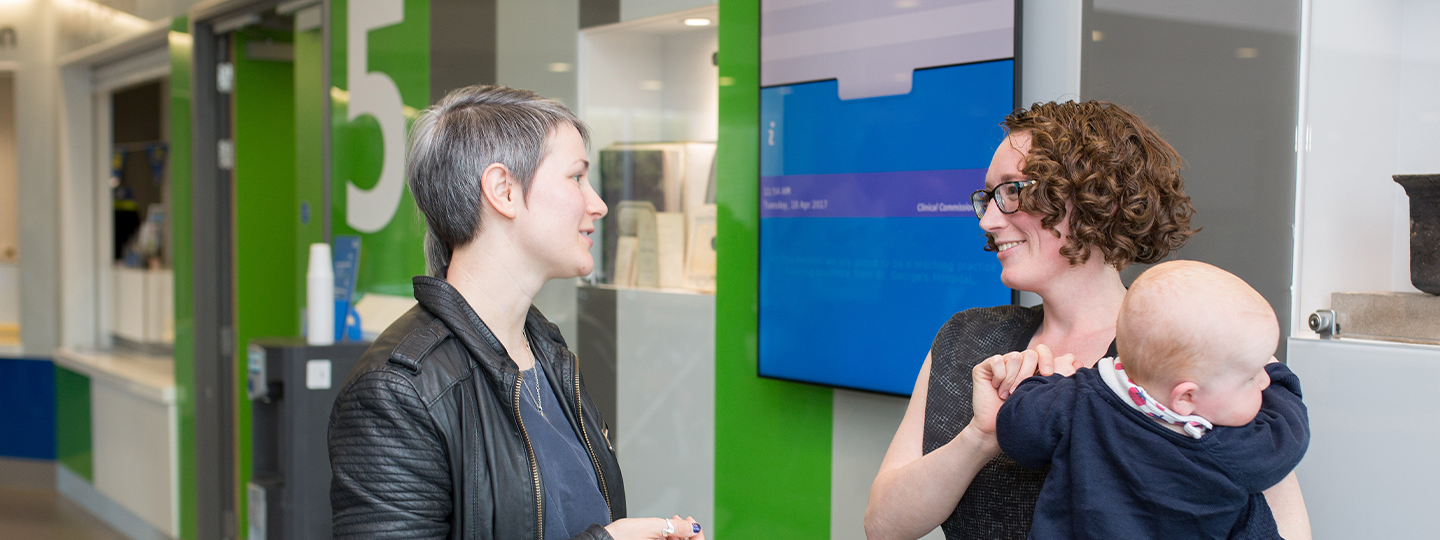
1120, 180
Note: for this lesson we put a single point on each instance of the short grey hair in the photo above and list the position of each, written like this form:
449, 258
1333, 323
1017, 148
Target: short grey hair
453, 141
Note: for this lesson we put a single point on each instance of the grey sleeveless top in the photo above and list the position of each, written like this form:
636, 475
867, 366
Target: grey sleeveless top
1000, 502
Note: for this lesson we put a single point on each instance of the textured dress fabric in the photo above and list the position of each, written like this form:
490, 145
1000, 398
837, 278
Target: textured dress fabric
1000, 502
426, 440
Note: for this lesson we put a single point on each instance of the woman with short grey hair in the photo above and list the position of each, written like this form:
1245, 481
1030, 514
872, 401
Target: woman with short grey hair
467, 418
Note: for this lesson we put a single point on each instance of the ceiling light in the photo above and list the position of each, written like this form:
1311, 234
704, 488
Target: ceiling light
698, 21
1247, 52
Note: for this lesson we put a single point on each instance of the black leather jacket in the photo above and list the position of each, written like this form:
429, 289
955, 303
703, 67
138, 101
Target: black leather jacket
426, 439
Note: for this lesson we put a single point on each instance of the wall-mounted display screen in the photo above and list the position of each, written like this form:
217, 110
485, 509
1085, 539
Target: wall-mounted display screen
878, 119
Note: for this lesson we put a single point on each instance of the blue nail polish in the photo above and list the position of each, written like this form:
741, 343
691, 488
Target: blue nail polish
695, 528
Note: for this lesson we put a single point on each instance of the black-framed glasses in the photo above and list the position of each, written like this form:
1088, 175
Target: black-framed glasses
1008, 200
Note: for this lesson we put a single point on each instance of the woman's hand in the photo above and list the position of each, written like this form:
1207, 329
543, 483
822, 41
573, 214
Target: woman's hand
994, 379
1018, 366
985, 401
654, 529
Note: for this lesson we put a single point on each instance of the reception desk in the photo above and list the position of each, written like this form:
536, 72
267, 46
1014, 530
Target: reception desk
133, 438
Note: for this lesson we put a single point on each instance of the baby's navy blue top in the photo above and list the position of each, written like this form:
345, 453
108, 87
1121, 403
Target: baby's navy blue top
1115, 473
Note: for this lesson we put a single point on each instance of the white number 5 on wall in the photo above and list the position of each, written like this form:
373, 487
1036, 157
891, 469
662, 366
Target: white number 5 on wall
374, 93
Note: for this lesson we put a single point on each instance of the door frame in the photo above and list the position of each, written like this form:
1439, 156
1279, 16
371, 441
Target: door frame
212, 188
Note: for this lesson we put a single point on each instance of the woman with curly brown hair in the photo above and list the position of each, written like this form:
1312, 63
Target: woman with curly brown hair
1075, 193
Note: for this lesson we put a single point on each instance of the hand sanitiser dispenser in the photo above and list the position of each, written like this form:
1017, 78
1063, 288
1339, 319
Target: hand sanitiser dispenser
292, 387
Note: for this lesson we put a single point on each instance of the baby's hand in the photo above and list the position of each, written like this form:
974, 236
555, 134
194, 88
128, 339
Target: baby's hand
1067, 365
1020, 365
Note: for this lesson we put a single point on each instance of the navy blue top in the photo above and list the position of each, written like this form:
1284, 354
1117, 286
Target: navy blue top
1115, 473
572, 495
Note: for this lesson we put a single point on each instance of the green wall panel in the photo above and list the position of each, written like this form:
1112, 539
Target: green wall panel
392, 254
772, 438
73, 447
267, 297
309, 147
181, 258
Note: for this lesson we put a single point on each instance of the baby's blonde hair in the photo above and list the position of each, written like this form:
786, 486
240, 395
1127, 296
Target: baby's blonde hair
1181, 319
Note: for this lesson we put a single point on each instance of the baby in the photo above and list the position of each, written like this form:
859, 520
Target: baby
1179, 435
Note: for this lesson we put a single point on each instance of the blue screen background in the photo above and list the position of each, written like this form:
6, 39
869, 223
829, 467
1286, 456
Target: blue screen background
849, 299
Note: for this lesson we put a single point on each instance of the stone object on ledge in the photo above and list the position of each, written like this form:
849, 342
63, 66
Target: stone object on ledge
1388, 316
1424, 193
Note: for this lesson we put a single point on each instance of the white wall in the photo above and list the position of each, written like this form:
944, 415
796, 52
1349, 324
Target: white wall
691, 98
536, 46
864, 424
1050, 51
36, 82
1374, 67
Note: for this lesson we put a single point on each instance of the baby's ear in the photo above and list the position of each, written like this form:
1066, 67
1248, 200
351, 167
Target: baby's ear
1182, 398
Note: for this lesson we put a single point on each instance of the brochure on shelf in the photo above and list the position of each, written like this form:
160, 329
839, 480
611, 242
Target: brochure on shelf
637, 219
700, 253
654, 190
625, 261
670, 248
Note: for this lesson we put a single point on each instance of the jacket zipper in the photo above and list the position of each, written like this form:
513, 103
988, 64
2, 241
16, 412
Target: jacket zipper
534, 467
580, 414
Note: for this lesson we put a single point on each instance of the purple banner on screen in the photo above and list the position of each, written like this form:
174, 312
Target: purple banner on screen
886, 194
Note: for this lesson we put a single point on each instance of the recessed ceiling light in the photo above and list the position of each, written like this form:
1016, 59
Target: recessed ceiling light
1247, 52
698, 21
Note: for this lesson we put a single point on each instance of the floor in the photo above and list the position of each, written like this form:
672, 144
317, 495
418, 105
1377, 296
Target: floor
33, 514
31, 509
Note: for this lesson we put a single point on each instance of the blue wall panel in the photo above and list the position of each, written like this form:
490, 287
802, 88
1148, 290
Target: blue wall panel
27, 408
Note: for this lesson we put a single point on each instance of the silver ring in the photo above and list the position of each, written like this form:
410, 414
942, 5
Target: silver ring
669, 528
